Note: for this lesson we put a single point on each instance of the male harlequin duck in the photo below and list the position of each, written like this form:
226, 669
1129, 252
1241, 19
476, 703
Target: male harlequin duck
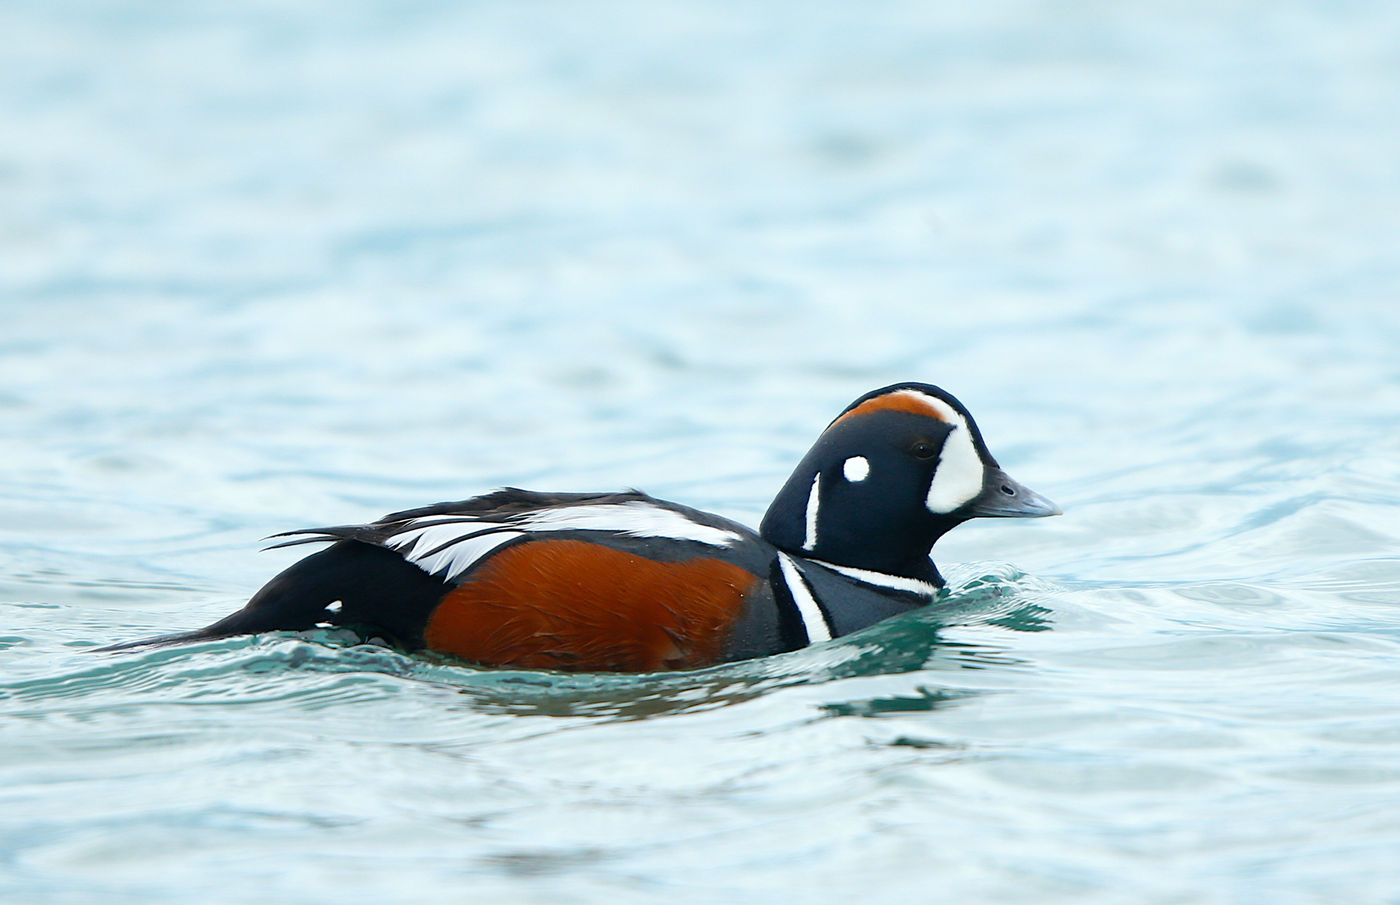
626, 582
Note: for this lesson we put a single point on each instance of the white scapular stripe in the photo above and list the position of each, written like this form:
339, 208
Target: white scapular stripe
883, 579
458, 558
809, 541
419, 539
813, 622
451, 543
637, 518
450, 549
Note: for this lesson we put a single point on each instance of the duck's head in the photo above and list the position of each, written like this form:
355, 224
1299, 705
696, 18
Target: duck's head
896, 470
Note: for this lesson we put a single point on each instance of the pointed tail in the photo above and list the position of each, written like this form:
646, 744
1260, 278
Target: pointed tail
377, 587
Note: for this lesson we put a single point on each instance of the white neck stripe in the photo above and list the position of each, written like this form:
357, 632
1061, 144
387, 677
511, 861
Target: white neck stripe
813, 622
882, 579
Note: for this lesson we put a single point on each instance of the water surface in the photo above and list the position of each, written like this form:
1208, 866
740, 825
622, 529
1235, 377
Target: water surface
266, 267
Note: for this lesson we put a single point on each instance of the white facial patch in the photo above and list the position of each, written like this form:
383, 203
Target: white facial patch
856, 469
960, 473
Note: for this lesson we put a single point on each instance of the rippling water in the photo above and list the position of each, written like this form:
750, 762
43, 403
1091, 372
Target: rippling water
265, 266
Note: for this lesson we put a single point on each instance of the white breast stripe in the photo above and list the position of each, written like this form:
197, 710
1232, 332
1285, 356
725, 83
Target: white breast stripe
813, 502
637, 518
883, 579
813, 622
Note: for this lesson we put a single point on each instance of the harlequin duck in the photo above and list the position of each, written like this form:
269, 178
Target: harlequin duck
626, 582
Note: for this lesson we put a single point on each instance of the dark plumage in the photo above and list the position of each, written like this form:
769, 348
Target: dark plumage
623, 581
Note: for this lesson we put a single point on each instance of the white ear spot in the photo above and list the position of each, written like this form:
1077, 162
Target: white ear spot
856, 469
959, 475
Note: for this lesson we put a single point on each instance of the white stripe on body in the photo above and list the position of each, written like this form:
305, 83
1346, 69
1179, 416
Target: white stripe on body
882, 579
813, 621
449, 544
809, 541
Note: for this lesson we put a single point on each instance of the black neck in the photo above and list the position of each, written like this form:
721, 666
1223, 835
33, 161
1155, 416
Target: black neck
892, 543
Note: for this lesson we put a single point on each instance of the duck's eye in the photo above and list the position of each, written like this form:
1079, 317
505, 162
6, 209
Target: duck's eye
923, 450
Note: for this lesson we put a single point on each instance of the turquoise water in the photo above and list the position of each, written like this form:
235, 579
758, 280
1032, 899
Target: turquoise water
266, 266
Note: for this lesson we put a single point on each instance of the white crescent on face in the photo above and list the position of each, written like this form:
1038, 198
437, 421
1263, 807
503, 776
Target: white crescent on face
959, 475
960, 472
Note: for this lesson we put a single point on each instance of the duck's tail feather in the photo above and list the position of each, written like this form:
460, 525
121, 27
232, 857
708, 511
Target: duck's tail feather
289, 602
376, 587
247, 621
203, 634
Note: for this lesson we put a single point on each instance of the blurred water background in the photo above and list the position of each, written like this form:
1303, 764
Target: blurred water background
265, 266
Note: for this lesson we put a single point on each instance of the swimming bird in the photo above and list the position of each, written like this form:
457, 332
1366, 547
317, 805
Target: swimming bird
624, 582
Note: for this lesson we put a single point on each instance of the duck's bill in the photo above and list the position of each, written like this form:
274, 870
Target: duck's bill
1003, 496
